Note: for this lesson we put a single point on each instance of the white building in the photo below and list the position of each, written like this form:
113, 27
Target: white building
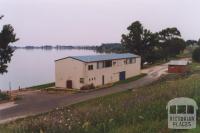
78, 71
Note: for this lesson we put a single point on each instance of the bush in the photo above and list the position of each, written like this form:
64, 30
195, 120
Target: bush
4, 96
88, 87
196, 55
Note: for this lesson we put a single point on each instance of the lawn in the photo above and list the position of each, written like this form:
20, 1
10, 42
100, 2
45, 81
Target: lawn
4, 96
43, 86
131, 79
140, 111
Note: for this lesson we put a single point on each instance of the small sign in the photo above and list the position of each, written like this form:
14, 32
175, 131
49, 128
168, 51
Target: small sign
182, 113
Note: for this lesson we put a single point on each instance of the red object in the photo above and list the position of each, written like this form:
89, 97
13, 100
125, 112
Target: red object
177, 68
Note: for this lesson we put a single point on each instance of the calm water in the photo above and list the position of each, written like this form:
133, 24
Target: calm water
34, 67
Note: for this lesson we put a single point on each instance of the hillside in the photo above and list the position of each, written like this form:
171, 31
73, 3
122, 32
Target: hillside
139, 111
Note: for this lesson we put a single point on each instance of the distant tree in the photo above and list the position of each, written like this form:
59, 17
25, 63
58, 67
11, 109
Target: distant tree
140, 41
170, 42
7, 36
177, 46
196, 55
191, 42
110, 47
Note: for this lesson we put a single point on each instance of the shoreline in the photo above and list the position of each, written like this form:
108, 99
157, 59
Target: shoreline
35, 87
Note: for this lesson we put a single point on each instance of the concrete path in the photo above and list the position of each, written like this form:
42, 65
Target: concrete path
38, 102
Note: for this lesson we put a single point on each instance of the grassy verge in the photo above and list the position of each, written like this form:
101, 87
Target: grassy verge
43, 86
141, 111
131, 79
4, 96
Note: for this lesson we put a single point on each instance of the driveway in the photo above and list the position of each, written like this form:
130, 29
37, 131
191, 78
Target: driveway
37, 102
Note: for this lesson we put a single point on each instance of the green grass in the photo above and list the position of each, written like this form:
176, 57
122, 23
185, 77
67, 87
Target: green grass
4, 96
43, 86
139, 111
131, 79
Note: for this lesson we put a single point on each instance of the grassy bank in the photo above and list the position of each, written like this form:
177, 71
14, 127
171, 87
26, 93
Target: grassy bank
43, 86
131, 79
4, 96
139, 111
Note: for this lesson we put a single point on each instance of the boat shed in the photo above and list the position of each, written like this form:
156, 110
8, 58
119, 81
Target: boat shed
178, 66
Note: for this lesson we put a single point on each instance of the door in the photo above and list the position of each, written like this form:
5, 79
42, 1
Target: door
122, 75
103, 80
69, 84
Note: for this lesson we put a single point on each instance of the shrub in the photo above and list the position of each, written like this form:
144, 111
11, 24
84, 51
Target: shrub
88, 87
4, 96
196, 55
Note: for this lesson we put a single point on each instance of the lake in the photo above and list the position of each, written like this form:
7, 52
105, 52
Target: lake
34, 67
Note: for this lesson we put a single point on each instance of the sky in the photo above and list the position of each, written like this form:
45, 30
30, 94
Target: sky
92, 22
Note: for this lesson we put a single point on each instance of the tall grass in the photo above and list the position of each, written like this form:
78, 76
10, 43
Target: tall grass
43, 86
4, 96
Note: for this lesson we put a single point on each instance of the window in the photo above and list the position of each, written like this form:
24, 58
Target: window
125, 62
108, 63
100, 65
81, 80
90, 67
103, 64
173, 109
181, 109
133, 60
114, 63
190, 109
130, 61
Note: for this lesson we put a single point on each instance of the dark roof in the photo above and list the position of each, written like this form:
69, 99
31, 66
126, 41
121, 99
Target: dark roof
94, 58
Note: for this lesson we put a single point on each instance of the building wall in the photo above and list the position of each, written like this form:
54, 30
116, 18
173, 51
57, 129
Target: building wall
177, 69
111, 74
69, 69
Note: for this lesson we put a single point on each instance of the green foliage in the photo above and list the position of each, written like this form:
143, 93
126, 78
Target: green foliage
131, 79
4, 96
88, 87
141, 111
153, 46
43, 86
170, 43
110, 48
196, 55
191, 42
139, 41
6, 36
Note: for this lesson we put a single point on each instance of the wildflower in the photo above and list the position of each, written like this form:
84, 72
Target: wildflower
69, 127
41, 131
110, 120
86, 124
141, 117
